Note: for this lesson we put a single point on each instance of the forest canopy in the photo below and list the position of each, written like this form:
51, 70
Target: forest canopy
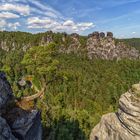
83, 91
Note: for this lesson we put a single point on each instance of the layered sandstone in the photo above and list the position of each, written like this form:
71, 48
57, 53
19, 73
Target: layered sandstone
123, 125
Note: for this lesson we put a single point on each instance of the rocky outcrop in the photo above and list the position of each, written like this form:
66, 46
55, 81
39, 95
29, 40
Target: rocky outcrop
5, 92
4, 46
123, 125
5, 131
16, 123
104, 47
96, 45
46, 39
25, 125
75, 43
70, 44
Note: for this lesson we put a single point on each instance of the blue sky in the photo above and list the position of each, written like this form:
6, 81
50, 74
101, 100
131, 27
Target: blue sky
122, 17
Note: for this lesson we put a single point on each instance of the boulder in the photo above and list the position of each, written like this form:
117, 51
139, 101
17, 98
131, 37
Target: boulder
124, 124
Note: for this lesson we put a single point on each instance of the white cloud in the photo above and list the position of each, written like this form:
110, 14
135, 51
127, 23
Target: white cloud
2, 23
42, 23
54, 25
68, 23
8, 15
85, 24
20, 8
36, 20
46, 9
133, 32
36, 14
14, 25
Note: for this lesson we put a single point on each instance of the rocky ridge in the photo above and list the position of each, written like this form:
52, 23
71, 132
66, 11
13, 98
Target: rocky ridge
124, 124
16, 123
104, 47
95, 45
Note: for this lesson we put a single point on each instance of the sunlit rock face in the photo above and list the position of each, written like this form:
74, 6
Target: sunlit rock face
16, 123
123, 125
104, 47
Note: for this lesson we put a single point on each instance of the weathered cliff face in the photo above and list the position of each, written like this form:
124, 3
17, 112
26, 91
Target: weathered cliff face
123, 125
16, 123
104, 47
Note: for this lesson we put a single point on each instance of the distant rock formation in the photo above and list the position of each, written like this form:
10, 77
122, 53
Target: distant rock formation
75, 43
123, 125
96, 45
46, 39
73, 46
104, 47
16, 123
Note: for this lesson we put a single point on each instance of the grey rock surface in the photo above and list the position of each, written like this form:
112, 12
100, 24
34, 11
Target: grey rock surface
5, 131
5, 91
16, 123
123, 125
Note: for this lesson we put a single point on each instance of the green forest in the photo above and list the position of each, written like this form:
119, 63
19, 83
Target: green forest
78, 91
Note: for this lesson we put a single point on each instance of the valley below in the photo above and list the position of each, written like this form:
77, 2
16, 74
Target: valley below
69, 87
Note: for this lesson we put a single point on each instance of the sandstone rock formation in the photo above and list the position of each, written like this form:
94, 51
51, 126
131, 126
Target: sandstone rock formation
16, 123
104, 47
46, 40
123, 125
72, 46
75, 43
96, 45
